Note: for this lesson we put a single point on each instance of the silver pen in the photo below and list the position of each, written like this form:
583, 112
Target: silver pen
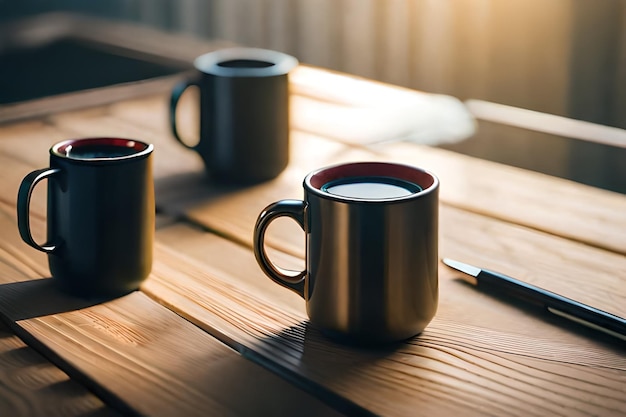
556, 304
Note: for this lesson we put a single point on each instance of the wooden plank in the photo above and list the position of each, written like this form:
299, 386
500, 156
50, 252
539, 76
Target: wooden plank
548, 123
144, 359
564, 208
28, 143
470, 360
137, 355
32, 386
129, 351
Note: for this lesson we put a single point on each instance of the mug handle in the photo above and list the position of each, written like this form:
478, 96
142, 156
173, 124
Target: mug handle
23, 206
177, 92
295, 209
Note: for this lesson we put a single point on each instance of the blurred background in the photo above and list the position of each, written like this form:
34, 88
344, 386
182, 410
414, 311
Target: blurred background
563, 57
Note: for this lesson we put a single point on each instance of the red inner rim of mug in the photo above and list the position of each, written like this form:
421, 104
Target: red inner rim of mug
369, 169
63, 148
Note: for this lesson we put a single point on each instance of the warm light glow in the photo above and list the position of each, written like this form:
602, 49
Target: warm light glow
359, 111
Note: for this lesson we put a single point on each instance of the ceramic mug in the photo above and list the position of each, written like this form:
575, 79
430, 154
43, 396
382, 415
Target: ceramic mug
100, 215
371, 250
244, 113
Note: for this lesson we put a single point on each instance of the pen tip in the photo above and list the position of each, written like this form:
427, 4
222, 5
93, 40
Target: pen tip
460, 266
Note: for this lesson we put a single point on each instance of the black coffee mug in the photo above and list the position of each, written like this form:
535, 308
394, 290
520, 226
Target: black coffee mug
100, 215
244, 113
371, 250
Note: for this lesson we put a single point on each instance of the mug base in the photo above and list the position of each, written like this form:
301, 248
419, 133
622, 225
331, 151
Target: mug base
367, 340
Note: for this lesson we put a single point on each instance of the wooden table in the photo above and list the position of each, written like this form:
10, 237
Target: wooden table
209, 334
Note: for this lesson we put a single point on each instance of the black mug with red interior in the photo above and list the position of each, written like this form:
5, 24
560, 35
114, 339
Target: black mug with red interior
100, 215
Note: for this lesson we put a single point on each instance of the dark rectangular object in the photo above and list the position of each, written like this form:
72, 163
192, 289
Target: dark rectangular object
68, 65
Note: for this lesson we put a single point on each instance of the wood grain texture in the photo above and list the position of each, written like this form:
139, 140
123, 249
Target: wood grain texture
564, 208
142, 358
480, 356
31, 386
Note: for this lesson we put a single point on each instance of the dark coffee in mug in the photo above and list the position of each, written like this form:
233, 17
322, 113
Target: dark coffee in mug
245, 63
371, 188
98, 152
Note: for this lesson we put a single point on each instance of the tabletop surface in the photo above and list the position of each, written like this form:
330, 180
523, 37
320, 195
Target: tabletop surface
209, 334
